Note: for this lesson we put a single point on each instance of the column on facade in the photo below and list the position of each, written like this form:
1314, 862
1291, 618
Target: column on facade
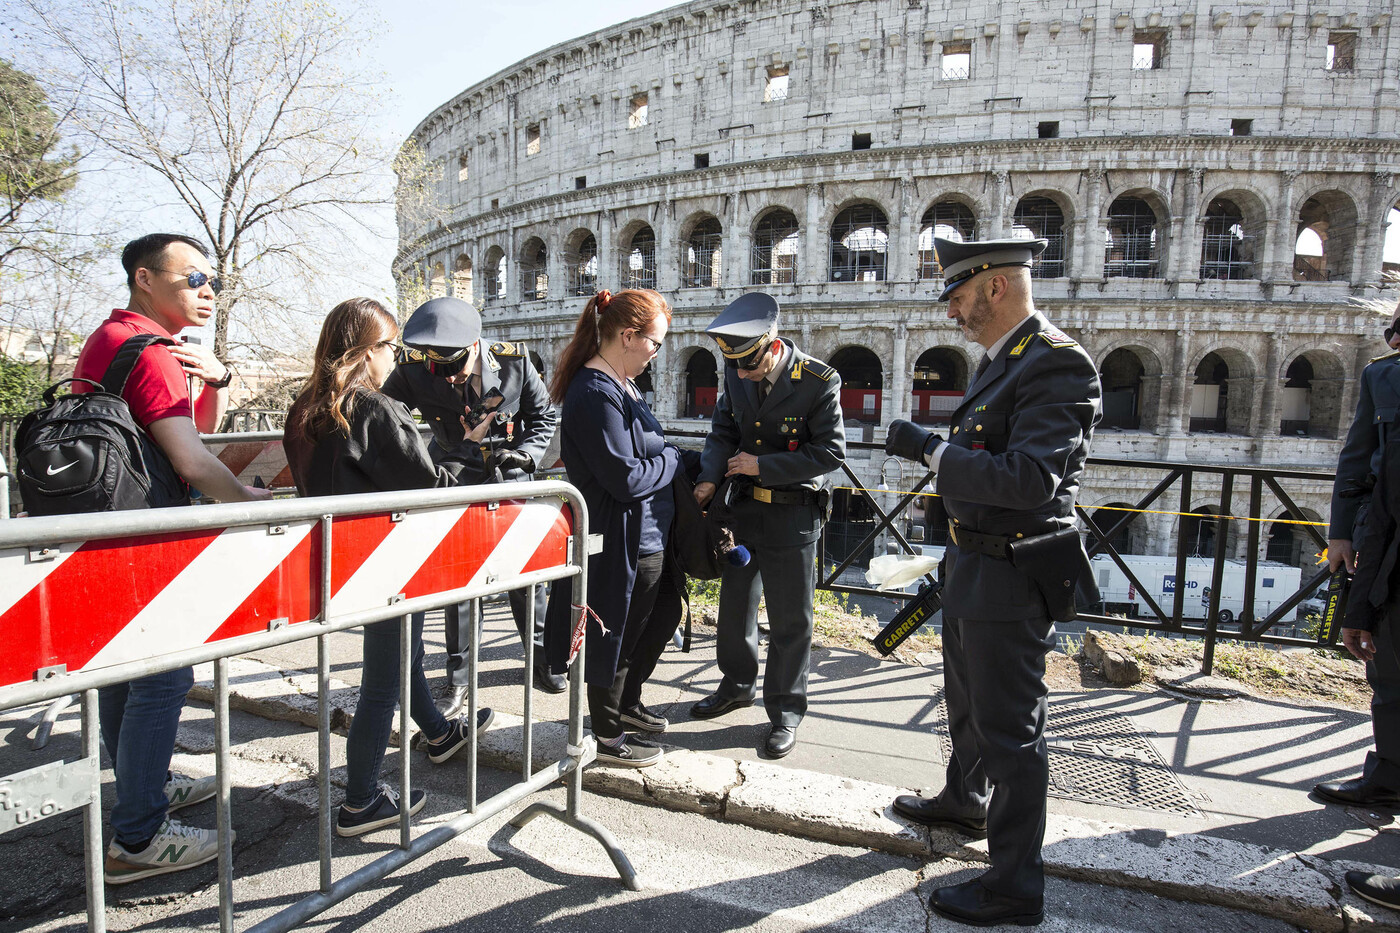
1371, 240
1175, 410
1269, 396
1187, 230
996, 208
1285, 231
605, 235
670, 251
1090, 263
734, 266
905, 243
814, 253
898, 402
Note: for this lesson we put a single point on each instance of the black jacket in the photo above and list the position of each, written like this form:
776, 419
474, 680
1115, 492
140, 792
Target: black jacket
1376, 556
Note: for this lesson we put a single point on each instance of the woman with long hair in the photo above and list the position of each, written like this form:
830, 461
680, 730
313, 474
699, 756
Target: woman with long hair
344, 436
616, 454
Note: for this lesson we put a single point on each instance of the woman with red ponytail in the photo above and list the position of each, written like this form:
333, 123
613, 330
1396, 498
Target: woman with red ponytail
616, 454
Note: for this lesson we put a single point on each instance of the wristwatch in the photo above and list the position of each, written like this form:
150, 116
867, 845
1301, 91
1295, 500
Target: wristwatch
222, 383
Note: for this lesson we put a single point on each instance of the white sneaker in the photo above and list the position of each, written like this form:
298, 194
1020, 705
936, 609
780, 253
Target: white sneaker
175, 847
182, 790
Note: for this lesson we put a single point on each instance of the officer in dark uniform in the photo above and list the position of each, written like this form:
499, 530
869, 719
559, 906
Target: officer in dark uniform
1358, 466
776, 433
1008, 474
449, 373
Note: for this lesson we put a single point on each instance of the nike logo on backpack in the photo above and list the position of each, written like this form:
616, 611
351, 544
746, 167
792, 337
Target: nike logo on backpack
52, 472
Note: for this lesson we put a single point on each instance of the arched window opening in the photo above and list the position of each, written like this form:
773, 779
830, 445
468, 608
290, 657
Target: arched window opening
773, 257
1041, 218
1131, 247
1390, 258
702, 255
940, 379
1326, 234
534, 270
859, 240
862, 380
1297, 398
1227, 252
1210, 395
1121, 378
494, 275
1130, 539
948, 220
538, 362
639, 260
581, 267
701, 385
462, 278
1199, 533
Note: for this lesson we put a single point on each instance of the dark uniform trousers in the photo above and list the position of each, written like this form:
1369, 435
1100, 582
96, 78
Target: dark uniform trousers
999, 766
458, 631
1383, 674
787, 577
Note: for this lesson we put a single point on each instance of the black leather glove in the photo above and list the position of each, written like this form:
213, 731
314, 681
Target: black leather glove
507, 459
906, 439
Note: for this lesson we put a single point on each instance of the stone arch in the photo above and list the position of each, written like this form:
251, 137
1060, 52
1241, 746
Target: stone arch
1136, 225
1132, 538
858, 243
1124, 398
1221, 393
581, 263
538, 362
862, 381
1200, 531
637, 251
951, 218
1390, 244
1310, 400
776, 238
1324, 237
1287, 542
437, 281
462, 277
940, 381
701, 383
701, 251
534, 270
1048, 215
1233, 235
493, 276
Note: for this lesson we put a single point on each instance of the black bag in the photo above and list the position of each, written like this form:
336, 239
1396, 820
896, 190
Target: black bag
702, 538
85, 452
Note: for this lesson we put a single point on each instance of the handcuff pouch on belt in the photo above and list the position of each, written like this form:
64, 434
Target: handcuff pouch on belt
1054, 562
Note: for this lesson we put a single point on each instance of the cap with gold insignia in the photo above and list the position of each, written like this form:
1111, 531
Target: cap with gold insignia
745, 329
961, 261
444, 329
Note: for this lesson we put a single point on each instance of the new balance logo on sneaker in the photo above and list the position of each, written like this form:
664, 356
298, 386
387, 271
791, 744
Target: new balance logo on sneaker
174, 847
181, 790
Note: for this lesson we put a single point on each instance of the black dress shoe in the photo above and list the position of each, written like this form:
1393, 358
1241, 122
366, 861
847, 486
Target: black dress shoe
973, 904
932, 813
780, 741
550, 683
716, 705
1378, 889
1358, 792
453, 704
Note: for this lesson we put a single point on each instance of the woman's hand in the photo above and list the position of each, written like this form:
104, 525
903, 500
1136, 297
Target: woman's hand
478, 434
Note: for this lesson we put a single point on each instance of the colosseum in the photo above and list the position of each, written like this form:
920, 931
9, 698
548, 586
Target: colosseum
1216, 183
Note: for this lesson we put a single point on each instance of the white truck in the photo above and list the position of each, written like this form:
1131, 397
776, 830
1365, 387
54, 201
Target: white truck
1274, 583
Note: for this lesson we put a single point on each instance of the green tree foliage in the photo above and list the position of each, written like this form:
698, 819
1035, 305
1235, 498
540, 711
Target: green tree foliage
32, 170
21, 385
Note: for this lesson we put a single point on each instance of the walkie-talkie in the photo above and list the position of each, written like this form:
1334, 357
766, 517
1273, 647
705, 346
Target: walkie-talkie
1334, 613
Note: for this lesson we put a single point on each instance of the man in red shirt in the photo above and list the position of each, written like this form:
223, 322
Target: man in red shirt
172, 287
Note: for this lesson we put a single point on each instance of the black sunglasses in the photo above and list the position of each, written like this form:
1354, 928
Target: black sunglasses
197, 280
443, 369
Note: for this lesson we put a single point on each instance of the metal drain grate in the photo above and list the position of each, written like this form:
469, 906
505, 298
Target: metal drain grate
1099, 756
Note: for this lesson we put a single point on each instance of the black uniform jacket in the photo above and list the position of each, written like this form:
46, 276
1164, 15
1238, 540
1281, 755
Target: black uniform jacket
505, 366
1015, 453
797, 434
1372, 588
1377, 409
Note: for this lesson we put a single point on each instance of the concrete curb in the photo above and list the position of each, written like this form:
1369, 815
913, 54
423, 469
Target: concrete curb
1304, 890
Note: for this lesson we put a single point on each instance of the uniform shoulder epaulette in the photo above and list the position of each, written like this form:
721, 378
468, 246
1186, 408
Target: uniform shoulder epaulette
508, 349
1057, 338
817, 368
411, 355
1386, 356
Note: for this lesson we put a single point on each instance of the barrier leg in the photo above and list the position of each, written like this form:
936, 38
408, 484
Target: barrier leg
405, 669
92, 818
48, 718
224, 821
473, 656
527, 726
323, 756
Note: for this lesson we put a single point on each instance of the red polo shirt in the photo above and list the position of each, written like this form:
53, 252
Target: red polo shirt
158, 388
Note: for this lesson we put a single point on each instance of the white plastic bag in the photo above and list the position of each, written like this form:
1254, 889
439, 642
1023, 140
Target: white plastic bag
896, 571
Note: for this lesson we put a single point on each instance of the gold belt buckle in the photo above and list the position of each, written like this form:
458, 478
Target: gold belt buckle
763, 495
953, 532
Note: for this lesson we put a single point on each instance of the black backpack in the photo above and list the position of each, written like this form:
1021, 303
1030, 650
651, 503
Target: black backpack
85, 452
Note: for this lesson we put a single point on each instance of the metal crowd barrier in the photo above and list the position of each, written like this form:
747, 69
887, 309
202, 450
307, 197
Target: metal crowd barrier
26, 545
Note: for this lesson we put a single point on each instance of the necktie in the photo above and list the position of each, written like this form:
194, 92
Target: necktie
763, 388
982, 367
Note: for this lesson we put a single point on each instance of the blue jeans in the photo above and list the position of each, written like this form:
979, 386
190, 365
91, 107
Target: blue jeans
379, 697
139, 720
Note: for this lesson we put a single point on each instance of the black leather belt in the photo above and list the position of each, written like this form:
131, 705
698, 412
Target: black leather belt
974, 541
779, 496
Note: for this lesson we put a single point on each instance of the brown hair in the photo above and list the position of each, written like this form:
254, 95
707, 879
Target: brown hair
352, 328
605, 316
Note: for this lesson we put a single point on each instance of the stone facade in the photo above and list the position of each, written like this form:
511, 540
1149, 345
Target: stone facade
1216, 182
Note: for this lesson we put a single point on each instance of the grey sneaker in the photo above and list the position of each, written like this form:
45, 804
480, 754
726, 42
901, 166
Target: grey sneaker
174, 847
182, 790
632, 753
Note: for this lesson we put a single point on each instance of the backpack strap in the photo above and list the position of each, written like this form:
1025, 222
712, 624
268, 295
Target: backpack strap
119, 370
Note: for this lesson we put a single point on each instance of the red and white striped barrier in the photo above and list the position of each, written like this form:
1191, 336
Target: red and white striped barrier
261, 459
103, 602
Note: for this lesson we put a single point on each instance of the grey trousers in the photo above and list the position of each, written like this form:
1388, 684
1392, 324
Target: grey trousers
459, 633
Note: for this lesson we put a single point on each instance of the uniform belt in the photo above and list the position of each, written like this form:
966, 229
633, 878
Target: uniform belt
780, 496
968, 540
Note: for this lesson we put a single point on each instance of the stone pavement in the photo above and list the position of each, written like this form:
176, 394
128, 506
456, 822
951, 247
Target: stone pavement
1198, 800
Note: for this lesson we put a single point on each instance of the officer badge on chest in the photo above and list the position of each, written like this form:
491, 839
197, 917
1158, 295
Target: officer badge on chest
789, 430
